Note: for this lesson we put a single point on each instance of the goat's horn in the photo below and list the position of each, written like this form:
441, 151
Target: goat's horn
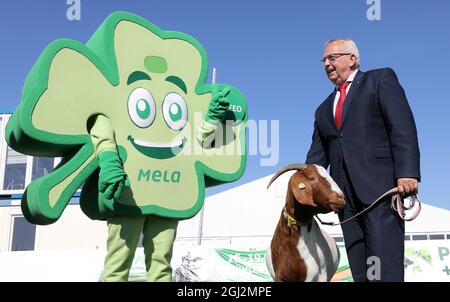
290, 167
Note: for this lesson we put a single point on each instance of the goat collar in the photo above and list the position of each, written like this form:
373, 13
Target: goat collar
291, 221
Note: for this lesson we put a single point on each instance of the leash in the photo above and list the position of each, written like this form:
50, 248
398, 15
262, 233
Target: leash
397, 205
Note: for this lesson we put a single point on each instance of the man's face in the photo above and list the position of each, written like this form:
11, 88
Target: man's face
338, 70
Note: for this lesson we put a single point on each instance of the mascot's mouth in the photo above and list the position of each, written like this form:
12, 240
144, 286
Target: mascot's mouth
158, 150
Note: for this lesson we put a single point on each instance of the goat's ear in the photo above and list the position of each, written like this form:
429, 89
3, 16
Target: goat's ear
302, 190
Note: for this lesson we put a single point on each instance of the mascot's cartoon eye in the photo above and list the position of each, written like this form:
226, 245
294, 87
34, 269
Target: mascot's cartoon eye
141, 107
175, 111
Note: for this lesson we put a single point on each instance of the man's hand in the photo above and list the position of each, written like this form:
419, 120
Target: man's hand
407, 186
219, 104
112, 177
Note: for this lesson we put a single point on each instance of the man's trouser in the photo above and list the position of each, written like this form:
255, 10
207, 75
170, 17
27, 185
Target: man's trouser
374, 241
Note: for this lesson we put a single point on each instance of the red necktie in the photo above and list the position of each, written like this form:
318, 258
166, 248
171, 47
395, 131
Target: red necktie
340, 104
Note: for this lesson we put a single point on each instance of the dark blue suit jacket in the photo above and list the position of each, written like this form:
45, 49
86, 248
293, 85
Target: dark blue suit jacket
377, 138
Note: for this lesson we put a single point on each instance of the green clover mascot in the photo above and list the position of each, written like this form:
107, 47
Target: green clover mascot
136, 127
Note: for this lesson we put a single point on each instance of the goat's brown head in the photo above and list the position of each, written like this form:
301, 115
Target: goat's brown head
311, 185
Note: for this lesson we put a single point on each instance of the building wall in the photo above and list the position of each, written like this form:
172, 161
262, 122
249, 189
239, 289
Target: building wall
72, 231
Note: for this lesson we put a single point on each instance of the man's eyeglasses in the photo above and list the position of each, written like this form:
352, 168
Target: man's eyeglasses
333, 57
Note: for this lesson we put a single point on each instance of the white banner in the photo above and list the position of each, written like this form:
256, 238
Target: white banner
424, 261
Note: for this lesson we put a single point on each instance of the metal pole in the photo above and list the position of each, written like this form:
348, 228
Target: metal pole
200, 226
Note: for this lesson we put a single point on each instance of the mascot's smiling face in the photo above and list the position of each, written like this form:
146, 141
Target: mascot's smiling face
142, 109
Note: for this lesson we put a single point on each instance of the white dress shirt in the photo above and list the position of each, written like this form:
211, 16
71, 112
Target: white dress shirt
336, 98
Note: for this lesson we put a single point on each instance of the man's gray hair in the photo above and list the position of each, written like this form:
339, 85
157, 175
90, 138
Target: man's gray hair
349, 46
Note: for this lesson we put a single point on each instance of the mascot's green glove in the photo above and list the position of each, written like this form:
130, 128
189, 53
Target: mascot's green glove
112, 178
218, 106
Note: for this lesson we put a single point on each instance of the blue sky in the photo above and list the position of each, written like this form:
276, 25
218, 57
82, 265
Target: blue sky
270, 50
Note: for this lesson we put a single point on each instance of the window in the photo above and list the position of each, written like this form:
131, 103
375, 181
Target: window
2, 151
21, 169
18, 170
23, 237
419, 237
42, 166
15, 169
1, 136
437, 236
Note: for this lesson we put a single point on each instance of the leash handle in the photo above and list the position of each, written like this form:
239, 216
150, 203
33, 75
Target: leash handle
397, 205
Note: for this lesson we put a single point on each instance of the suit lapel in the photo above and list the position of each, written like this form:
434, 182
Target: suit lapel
359, 77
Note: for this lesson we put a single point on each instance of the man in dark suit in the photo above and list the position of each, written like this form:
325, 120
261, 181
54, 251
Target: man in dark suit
365, 131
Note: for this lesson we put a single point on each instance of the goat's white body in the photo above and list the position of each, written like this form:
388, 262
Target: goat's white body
319, 252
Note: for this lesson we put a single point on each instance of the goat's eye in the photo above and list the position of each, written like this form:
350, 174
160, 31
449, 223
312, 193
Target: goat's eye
312, 178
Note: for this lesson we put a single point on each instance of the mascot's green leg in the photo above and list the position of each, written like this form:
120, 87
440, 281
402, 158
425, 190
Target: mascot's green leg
159, 235
123, 238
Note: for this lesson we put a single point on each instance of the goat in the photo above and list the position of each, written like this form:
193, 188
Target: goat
300, 250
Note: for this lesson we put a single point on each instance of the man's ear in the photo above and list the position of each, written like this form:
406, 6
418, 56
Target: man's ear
301, 188
353, 61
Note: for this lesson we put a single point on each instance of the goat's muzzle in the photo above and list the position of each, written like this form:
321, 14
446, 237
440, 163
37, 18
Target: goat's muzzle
338, 203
